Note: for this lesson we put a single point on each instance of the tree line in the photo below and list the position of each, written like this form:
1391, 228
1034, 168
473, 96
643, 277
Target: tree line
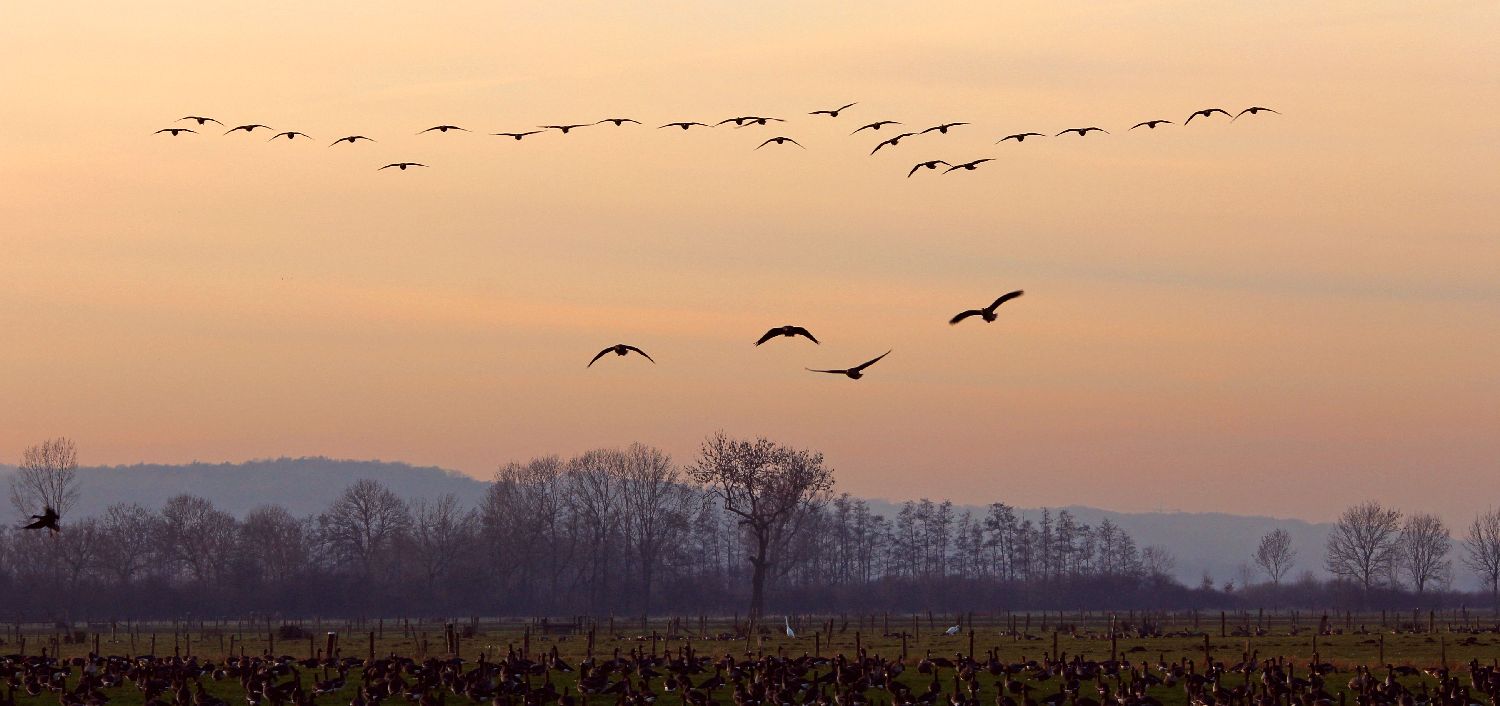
748, 525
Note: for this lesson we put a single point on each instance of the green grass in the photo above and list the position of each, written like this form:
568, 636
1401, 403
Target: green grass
1419, 649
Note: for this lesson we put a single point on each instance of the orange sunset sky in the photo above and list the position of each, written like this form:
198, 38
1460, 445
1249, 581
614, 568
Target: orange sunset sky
1282, 315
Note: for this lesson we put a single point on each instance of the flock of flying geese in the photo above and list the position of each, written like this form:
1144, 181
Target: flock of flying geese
738, 122
988, 314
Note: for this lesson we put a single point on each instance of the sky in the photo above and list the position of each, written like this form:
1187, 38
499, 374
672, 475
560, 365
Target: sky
1282, 315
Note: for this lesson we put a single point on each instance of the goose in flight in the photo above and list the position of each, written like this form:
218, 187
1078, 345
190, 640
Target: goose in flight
834, 113
780, 141
175, 131
876, 125
1253, 110
1081, 131
1019, 137
942, 129
857, 371
443, 128
202, 120
969, 166
402, 165
290, 135
1151, 124
350, 139
950, 632
247, 128
47, 520
685, 124
564, 128
618, 121
987, 313
788, 331
929, 164
893, 141
619, 349
1207, 112
517, 135
744, 120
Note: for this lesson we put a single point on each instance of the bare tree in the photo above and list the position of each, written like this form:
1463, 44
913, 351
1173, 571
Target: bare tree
769, 487
47, 477
1482, 550
1158, 561
657, 506
1363, 547
196, 537
363, 526
275, 543
1275, 555
1423, 550
125, 541
441, 529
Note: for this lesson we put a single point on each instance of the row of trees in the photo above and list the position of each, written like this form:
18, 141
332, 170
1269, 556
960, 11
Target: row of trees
1375, 546
630, 531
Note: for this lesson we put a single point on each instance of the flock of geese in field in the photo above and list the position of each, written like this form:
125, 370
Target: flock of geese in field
683, 677
987, 314
741, 121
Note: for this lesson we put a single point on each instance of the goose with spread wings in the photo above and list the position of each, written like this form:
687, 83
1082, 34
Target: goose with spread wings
987, 313
1207, 112
203, 119
402, 165
290, 135
564, 128
444, 128
780, 141
247, 128
1082, 131
834, 112
1019, 137
969, 166
1253, 110
942, 129
618, 121
893, 141
619, 349
929, 164
517, 135
875, 125
1151, 124
685, 124
855, 372
788, 331
47, 520
351, 139
174, 131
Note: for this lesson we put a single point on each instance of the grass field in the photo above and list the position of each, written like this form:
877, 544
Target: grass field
1421, 641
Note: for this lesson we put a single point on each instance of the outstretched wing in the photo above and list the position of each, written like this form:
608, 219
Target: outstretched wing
799, 331
597, 356
633, 348
1005, 298
768, 336
835, 372
870, 362
964, 315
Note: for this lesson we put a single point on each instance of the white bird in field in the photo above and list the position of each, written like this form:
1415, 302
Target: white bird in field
951, 631
789, 631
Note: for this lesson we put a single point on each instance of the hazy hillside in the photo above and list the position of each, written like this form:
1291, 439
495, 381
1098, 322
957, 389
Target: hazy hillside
1212, 542
304, 486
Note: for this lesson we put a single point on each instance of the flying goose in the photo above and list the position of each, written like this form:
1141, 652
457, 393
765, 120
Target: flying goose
855, 372
788, 331
833, 113
619, 349
987, 313
876, 125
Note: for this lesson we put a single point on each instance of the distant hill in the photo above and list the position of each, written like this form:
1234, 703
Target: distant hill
1213, 542
304, 486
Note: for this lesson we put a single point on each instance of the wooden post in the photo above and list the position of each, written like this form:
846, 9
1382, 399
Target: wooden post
1382, 647
971, 641
1223, 625
817, 644
1054, 645
1208, 655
